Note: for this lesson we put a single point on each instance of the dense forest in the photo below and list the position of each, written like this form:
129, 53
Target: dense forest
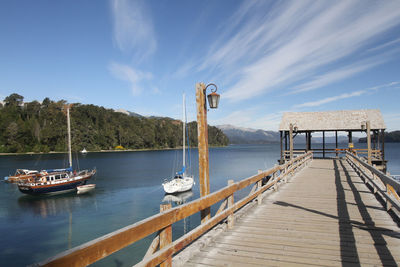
390, 137
42, 127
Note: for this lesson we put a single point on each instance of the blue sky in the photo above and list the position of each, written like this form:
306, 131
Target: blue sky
266, 57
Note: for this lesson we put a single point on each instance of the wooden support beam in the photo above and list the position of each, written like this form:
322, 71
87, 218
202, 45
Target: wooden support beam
281, 141
222, 206
231, 203
383, 148
336, 143
259, 185
323, 144
307, 145
166, 237
369, 142
291, 140
286, 141
202, 134
153, 246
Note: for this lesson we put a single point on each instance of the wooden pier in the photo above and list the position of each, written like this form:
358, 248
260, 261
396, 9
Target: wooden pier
325, 216
324, 212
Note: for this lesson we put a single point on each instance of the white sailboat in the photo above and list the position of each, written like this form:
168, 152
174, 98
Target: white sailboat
182, 181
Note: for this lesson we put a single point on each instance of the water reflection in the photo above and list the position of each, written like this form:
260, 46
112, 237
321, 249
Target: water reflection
180, 199
46, 206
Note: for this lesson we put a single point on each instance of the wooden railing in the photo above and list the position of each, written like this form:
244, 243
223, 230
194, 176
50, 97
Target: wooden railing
382, 184
161, 223
376, 153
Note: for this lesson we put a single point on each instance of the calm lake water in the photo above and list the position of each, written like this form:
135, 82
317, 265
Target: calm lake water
128, 189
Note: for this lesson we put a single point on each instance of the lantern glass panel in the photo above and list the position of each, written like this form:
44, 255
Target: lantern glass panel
213, 100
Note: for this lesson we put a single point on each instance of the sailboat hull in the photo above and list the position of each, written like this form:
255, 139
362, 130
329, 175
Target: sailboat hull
178, 185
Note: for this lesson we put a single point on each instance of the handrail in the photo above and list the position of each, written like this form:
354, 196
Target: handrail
101, 247
372, 174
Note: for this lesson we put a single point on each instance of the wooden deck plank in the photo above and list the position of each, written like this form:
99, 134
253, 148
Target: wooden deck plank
324, 216
294, 245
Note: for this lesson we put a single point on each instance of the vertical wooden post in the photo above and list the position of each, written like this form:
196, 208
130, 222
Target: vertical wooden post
306, 141
388, 191
336, 142
286, 144
291, 140
383, 149
275, 183
323, 144
369, 142
166, 237
202, 134
259, 185
231, 202
281, 141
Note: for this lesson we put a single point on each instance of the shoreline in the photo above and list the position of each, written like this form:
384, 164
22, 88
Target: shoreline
98, 151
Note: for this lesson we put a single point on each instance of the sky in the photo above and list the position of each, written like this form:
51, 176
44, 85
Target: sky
266, 57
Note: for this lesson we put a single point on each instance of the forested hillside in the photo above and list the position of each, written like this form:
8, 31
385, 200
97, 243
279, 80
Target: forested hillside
42, 127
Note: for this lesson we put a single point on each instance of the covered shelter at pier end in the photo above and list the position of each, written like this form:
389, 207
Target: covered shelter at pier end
349, 121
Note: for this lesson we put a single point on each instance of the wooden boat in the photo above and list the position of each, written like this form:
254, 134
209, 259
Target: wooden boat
21, 175
58, 180
181, 182
55, 183
85, 188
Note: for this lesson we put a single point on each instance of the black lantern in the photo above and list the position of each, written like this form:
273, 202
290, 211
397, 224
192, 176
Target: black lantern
363, 126
213, 98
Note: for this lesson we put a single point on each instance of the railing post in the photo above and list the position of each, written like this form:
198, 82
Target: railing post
231, 202
166, 237
259, 185
275, 183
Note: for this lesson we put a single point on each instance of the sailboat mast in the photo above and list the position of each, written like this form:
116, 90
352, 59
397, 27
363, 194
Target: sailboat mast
69, 138
184, 132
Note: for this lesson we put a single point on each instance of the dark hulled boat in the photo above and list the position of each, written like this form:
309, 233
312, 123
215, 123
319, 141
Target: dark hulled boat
55, 183
59, 180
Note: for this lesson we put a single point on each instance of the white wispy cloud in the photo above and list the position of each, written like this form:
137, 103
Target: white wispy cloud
133, 28
344, 96
331, 99
131, 75
287, 42
385, 45
334, 76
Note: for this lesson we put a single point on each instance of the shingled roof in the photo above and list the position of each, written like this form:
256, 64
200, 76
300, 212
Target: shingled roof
341, 120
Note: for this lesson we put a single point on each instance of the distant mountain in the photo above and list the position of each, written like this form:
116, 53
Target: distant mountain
240, 135
133, 114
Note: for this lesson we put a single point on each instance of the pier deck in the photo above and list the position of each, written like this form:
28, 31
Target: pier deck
324, 216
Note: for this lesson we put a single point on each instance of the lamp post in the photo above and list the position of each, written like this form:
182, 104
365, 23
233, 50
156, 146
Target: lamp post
202, 134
